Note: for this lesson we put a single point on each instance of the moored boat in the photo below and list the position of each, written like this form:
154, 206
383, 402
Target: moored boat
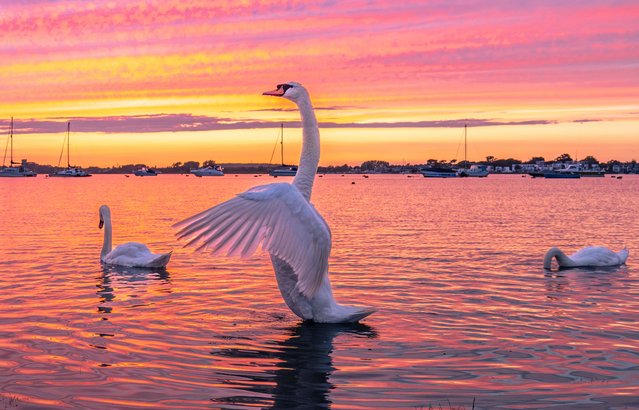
584, 172
476, 171
561, 175
15, 169
209, 171
284, 170
69, 172
146, 172
438, 172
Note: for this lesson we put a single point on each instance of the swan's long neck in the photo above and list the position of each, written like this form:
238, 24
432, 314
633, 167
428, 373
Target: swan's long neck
106, 246
309, 158
562, 259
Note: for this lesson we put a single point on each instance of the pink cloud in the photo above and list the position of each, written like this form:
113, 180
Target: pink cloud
349, 47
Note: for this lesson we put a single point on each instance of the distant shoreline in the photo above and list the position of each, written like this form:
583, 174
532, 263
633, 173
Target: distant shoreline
493, 166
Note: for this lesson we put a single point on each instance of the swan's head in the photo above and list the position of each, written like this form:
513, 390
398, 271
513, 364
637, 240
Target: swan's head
552, 253
291, 91
105, 213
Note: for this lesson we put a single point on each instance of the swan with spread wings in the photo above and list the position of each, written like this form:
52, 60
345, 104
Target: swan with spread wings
281, 217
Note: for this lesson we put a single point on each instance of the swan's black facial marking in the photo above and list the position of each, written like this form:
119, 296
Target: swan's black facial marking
279, 91
284, 87
101, 224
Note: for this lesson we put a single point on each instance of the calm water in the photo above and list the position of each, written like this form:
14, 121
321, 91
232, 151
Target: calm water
466, 310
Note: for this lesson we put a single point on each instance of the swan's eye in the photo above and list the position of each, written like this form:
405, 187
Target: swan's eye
284, 87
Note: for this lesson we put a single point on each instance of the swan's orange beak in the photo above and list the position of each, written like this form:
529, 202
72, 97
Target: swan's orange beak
101, 224
278, 92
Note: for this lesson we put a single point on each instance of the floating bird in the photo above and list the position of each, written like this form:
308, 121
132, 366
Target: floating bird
281, 218
131, 254
593, 256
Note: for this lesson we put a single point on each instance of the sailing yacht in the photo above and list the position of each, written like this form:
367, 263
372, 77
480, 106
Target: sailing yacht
69, 172
478, 171
12, 170
284, 170
438, 172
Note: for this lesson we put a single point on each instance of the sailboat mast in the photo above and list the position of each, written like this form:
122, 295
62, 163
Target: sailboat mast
465, 148
11, 137
282, 141
68, 155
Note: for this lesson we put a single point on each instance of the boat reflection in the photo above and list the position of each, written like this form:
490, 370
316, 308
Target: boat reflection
302, 369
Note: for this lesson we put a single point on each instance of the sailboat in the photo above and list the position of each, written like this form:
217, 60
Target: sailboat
69, 172
13, 171
478, 171
284, 170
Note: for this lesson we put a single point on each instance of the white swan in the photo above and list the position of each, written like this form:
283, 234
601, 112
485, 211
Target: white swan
281, 217
595, 256
131, 254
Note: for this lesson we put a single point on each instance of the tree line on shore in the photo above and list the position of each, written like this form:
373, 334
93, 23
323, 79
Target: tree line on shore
366, 166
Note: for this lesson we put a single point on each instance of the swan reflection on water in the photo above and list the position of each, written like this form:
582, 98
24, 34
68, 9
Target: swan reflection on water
302, 371
583, 282
126, 279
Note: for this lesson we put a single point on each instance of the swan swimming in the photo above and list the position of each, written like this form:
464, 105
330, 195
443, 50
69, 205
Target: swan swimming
281, 217
594, 256
131, 254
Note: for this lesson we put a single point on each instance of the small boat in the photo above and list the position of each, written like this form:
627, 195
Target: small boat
69, 172
146, 172
561, 175
209, 171
477, 171
284, 170
13, 171
438, 172
579, 169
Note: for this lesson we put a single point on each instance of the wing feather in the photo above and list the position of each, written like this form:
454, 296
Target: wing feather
275, 215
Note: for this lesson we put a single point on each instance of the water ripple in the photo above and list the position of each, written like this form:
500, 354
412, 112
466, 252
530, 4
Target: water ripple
466, 312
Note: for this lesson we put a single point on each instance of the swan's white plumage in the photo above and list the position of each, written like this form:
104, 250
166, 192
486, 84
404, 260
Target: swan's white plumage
594, 256
275, 215
136, 255
281, 218
130, 254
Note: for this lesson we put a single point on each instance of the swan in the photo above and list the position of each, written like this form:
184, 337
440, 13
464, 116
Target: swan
131, 254
281, 218
598, 256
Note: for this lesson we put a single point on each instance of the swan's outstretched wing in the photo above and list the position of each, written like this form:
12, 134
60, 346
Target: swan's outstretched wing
278, 216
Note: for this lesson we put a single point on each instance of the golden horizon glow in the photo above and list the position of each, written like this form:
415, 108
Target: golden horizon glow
541, 78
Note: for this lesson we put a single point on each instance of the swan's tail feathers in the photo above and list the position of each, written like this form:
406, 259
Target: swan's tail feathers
623, 255
161, 260
357, 313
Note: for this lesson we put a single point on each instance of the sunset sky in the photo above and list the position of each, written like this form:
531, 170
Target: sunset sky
158, 82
